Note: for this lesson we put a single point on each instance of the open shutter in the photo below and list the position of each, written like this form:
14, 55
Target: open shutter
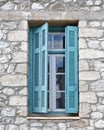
40, 73
71, 66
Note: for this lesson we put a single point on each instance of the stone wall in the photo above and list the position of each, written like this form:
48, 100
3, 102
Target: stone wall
14, 17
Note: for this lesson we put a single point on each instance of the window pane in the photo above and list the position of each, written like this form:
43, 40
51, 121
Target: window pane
36, 99
43, 68
36, 40
60, 82
49, 41
60, 64
43, 37
36, 69
60, 100
59, 42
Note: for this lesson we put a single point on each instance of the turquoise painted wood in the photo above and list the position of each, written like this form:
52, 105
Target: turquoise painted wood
38, 69
71, 69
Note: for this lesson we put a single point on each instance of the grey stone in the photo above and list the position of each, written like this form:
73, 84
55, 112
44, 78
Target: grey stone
23, 91
23, 127
83, 65
94, 44
1, 34
100, 108
8, 111
88, 97
89, 75
9, 25
4, 58
21, 68
83, 23
13, 80
94, 24
97, 85
8, 6
22, 111
18, 100
98, 65
35, 124
62, 126
12, 127
97, 2
57, 6
8, 91
90, 32
37, 6
79, 124
82, 43
83, 86
20, 120
24, 46
4, 44
99, 124
97, 8
90, 54
10, 68
96, 115
2, 127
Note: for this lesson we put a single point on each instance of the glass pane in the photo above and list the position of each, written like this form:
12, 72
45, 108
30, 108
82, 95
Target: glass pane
36, 40
36, 99
43, 99
59, 42
60, 82
49, 41
60, 100
60, 64
36, 69
43, 68
43, 37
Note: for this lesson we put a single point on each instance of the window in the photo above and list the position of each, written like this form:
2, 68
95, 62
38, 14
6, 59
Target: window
53, 69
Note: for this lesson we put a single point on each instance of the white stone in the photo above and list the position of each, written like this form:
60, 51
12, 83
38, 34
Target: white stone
20, 120
100, 108
9, 25
94, 24
1, 34
17, 36
100, 94
8, 91
19, 57
37, 6
1, 127
96, 115
90, 54
90, 32
84, 110
14, 80
4, 59
82, 43
88, 97
83, 86
22, 111
97, 85
11, 127
89, 2
4, 44
23, 127
23, 91
21, 68
82, 23
18, 100
62, 126
98, 65
11, 68
103, 24
96, 8
23, 25
99, 124
8, 111
35, 124
94, 108
94, 44
97, 2
102, 44
24, 46
83, 65
8, 6
89, 75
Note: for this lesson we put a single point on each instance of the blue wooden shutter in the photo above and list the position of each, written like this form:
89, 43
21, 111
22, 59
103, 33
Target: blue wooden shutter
71, 66
39, 74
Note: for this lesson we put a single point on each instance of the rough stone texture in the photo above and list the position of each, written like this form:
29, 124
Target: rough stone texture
16, 16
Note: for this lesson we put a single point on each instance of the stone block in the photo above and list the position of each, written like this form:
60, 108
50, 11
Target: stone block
17, 36
94, 24
82, 23
19, 57
22, 111
14, 80
8, 6
89, 75
97, 85
79, 124
8, 111
37, 6
83, 65
88, 97
100, 108
90, 54
90, 32
18, 101
20, 120
23, 46
23, 91
99, 124
8, 91
4, 44
21, 68
83, 86
82, 43
23, 25
100, 94
96, 115
84, 110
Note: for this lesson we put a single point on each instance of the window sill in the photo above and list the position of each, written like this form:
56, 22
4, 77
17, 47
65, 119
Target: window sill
53, 117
